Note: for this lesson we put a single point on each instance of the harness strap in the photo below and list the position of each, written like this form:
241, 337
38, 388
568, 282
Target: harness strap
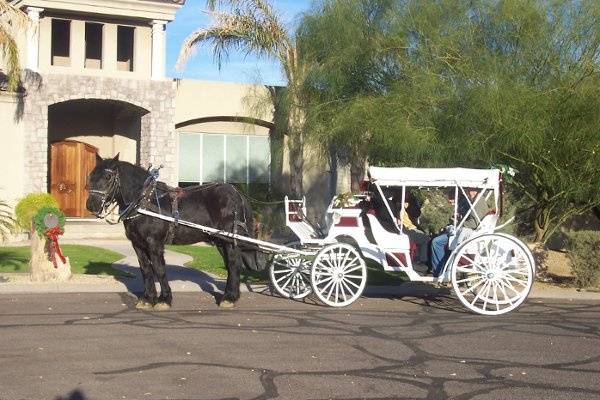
171, 230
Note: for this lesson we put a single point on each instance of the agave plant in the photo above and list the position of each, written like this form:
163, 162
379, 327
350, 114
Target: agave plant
7, 222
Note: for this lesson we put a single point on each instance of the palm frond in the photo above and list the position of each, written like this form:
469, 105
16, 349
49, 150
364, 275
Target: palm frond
13, 15
243, 31
9, 49
7, 222
12, 20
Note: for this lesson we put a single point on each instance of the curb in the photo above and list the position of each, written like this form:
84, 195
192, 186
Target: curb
13, 283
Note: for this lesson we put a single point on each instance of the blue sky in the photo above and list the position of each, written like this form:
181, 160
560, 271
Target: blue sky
238, 68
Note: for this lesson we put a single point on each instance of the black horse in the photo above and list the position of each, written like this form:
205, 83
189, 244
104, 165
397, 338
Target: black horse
217, 205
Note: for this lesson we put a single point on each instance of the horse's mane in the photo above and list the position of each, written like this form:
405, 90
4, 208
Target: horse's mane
132, 179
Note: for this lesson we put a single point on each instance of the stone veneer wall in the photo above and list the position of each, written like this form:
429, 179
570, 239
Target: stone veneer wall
158, 140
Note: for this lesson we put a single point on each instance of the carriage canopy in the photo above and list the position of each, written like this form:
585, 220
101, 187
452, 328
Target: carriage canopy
436, 177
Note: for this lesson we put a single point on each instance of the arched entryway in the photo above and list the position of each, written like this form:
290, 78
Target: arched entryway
77, 131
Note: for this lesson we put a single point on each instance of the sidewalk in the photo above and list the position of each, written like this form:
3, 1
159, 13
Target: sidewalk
182, 279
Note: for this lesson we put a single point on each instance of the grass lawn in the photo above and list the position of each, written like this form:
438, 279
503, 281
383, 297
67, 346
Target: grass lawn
209, 260
84, 259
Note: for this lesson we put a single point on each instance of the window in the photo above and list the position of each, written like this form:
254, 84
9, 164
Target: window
93, 45
125, 36
208, 157
61, 43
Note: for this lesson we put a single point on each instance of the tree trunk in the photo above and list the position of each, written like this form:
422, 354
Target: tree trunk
541, 223
296, 149
41, 268
357, 172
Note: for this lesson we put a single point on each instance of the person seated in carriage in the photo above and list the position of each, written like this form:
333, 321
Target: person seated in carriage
407, 215
439, 244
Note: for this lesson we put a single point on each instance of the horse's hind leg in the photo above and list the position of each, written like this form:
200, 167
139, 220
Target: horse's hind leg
232, 259
148, 299
157, 257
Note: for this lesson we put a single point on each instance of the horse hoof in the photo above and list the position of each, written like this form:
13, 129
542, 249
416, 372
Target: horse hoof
143, 305
226, 304
162, 307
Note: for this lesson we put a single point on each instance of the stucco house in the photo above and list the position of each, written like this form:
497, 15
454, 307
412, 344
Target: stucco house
95, 84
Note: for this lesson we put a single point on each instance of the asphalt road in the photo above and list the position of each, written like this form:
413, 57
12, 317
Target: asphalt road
97, 346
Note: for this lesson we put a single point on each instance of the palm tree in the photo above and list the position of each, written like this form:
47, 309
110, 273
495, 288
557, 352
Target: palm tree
7, 222
11, 20
252, 26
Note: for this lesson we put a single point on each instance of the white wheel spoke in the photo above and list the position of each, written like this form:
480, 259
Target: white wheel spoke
353, 276
506, 297
479, 293
470, 289
352, 283
331, 289
345, 286
350, 264
352, 269
513, 279
283, 271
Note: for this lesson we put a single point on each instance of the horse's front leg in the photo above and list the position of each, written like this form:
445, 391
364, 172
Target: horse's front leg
157, 258
232, 259
148, 299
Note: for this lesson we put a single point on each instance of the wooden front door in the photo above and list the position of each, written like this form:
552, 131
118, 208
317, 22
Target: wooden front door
70, 164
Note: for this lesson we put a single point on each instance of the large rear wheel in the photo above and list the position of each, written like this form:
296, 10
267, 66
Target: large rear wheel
338, 275
492, 274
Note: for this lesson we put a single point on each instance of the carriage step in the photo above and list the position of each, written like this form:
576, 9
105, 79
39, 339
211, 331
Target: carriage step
84, 228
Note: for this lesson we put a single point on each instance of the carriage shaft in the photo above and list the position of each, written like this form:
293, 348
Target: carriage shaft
261, 244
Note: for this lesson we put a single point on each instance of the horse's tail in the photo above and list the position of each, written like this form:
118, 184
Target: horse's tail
254, 260
251, 257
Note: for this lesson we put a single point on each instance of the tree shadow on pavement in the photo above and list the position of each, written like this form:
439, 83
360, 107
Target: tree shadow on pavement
179, 277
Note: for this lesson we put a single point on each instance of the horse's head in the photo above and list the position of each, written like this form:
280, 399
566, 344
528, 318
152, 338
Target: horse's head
103, 184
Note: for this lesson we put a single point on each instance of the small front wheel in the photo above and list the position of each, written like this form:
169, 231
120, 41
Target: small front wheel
492, 274
338, 275
289, 273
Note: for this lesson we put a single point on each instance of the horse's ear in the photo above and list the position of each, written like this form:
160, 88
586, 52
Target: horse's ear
116, 158
98, 158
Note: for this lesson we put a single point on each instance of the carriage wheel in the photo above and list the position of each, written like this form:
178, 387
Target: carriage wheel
492, 274
289, 273
338, 275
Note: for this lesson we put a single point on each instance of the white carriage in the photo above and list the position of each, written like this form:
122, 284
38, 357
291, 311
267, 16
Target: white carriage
491, 273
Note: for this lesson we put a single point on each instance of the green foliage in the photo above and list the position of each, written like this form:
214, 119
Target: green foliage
584, 252
7, 222
29, 205
464, 83
436, 211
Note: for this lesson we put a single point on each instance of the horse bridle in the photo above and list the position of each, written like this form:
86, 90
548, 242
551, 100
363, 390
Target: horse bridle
107, 196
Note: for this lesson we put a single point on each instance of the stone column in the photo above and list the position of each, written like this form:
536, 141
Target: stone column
158, 49
33, 38
77, 45
109, 47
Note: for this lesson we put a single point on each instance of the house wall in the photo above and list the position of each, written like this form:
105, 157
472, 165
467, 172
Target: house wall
203, 99
12, 150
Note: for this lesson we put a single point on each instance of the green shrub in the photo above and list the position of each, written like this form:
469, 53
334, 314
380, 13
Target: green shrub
29, 205
436, 210
584, 252
7, 222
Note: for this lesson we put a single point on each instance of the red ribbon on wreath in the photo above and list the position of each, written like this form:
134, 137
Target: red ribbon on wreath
52, 235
